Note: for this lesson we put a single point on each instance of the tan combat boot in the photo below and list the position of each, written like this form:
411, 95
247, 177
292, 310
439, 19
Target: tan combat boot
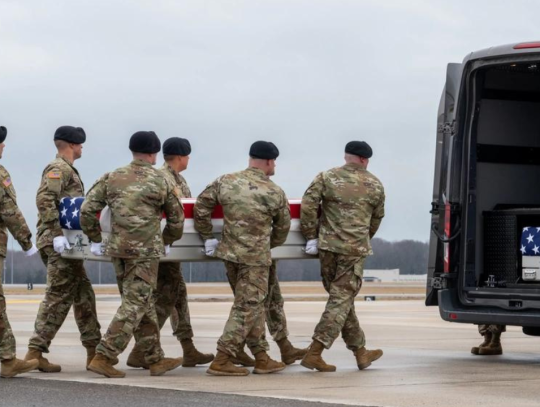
90, 354
16, 366
242, 358
222, 366
364, 357
494, 347
44, 365
264, 364
290, 354
164, 365
314, 360
475, 350
192, 357
104, 366
136, 360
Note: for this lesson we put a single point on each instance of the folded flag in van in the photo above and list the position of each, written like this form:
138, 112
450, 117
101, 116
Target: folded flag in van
530, 241
69, 212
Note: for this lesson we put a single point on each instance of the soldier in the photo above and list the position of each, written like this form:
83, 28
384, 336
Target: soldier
492, 340
137, 195
352, 203
256, 218
171, 294
11, 218
276, 322
67, 282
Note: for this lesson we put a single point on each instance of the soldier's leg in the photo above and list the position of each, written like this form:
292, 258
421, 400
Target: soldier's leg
273, 306
246, 319
352, 333
7, 340
84, 309
137, 303
164, 298
60, 293
241, 358
342, 284
493, 334
180, 319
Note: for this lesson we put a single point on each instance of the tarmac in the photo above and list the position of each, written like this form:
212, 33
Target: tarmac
426, 362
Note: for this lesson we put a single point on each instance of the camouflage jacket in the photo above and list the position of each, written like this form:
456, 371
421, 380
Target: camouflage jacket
59, 179
11, 216
352, 203
177, 180
256, 216
137, 195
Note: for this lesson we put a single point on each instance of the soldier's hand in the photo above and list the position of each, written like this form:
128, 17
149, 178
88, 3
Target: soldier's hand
30, 252
210, 246
312, 247
167, 249
95, 249
60, 243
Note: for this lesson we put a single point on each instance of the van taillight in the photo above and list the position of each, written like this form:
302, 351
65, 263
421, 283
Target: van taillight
447, 214
525, 45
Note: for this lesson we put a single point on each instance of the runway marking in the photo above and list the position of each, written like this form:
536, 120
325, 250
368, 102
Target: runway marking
23, 301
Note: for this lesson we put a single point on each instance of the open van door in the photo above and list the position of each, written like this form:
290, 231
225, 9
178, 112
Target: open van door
441, 207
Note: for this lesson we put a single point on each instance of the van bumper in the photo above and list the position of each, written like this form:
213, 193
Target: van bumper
452, 310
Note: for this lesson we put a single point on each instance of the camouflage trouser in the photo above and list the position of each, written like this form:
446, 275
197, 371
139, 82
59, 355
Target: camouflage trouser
273, 305
136, 280
246, 320
67, 284
170, 301
7, 340
494, 329
342, 279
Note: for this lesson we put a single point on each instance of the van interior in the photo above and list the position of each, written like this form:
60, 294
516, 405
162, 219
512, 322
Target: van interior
503, 177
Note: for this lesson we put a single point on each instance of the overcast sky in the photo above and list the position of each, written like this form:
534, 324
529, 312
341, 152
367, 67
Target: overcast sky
309, 75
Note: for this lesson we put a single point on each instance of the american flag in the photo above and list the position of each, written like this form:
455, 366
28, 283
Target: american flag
530, 241
69, 212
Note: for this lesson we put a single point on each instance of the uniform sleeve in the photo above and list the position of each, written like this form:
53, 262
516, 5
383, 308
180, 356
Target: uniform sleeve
174, 212
202, 212
48, 198
14, 220
376, 217
281, 223
94, 202
309, 219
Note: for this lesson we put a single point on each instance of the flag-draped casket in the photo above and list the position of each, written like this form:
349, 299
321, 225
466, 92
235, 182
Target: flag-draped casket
189, 248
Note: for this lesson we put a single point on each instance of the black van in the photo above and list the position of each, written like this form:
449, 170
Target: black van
484, 266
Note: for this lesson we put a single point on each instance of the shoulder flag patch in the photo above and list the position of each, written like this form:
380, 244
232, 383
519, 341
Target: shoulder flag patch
7, 182
53, 175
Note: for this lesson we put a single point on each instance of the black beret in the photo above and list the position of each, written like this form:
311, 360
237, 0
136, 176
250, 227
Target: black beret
146, 142
3, 134
176, 146
264, 150
359, 148
75, 135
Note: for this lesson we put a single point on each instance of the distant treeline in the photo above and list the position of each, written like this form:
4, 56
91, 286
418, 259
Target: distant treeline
407, 255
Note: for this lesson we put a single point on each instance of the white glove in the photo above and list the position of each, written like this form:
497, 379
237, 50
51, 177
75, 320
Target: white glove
167, 249
95, 249
210, 246
312, 247
60, 243
30, 252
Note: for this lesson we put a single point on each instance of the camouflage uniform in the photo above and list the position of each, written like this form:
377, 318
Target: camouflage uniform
67, 282
171, 294
10, 218
494, 329
273, 304
352, 201
137, 195
256, 219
